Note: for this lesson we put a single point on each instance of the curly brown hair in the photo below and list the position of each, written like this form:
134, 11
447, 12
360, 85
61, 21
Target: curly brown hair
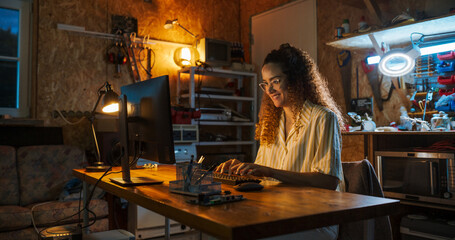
304, 83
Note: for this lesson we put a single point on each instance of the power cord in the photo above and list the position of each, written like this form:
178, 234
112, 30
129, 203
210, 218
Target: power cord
67, 121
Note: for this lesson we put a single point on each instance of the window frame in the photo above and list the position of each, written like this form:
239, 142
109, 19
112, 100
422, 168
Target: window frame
22, 109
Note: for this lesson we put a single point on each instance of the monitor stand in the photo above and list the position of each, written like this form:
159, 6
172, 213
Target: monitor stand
97, 167
135, 181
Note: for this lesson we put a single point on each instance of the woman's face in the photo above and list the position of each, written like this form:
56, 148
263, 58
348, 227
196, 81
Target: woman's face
275, 84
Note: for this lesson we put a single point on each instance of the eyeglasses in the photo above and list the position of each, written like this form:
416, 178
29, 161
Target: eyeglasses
275, 83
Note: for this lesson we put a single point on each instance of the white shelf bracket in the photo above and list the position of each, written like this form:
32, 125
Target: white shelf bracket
375, 44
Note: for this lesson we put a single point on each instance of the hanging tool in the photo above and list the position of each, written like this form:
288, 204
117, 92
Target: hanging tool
115, 54
344, 62
372, 75
130, 44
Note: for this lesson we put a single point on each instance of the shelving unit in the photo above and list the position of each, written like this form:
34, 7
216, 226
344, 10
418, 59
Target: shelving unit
397, 35
244, 102
400, 36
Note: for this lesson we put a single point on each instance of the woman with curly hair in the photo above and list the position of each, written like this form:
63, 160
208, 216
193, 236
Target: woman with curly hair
299, 129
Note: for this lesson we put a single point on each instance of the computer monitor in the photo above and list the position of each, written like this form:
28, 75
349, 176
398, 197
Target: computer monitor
145, 127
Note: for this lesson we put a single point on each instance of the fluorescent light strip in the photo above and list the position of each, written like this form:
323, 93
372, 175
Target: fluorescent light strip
438, 48
373, 60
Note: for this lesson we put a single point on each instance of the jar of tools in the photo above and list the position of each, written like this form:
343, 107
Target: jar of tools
440, 122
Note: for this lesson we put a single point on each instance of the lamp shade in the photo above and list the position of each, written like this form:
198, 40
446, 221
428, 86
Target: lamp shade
185, 56
170, 24
110, 102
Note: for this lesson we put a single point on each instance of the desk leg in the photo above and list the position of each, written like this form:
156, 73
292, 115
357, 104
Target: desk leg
167, 229
84, 202
132, 218
368, 226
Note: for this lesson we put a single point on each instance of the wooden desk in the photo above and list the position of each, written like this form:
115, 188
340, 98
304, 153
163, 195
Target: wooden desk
277, 209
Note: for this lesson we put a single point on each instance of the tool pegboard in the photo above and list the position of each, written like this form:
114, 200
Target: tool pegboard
123, 24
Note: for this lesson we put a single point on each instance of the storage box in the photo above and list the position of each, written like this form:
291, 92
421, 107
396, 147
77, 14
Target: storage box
193, 180
446, 55
445, 67
419, 227
445, 80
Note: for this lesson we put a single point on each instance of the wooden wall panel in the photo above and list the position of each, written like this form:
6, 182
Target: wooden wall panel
353, 148
71, 67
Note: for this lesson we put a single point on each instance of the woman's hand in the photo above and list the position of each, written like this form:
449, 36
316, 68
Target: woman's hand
234, 166
251, 169
226, 166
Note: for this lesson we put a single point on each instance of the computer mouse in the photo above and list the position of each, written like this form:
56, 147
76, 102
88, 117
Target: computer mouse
248, 187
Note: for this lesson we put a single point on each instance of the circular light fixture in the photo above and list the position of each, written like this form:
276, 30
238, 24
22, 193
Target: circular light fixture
396, 63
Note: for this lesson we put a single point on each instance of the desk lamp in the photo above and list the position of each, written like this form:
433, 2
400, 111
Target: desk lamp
183, 56
170, 24
109, 105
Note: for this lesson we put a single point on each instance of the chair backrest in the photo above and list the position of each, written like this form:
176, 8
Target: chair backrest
360, 178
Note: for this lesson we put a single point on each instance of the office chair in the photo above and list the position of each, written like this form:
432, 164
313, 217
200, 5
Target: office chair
360, 178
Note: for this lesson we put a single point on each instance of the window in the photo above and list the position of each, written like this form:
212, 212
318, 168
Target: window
15, 57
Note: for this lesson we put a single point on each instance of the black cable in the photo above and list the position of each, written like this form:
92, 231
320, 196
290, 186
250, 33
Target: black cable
90, 198
140, 62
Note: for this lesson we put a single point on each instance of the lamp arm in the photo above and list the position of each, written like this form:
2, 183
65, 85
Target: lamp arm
178, 24
430, 37
98, 155
100, 94
92, 120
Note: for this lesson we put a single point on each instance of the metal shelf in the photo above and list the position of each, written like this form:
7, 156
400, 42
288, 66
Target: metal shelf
217, 72
397, 35
242, 79
223, 123
226, 143
219, 97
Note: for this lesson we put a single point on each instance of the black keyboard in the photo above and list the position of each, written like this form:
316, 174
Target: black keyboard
233, 179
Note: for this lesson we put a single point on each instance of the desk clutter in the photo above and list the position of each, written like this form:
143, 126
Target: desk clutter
193, 180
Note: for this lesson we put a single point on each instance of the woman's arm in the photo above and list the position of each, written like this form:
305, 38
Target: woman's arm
313, 179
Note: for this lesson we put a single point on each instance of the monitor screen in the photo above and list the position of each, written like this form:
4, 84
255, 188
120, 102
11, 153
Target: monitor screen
145, 126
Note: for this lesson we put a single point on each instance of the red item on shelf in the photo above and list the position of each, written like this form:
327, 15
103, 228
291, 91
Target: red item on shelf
445, 92
446, 55
446, 80
184, 116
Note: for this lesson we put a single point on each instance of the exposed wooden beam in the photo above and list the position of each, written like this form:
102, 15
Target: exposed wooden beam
374, 10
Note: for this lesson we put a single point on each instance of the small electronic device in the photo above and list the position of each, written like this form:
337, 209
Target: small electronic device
248, 187
214, 52
209, 200
145, 127
185, 133
62, 233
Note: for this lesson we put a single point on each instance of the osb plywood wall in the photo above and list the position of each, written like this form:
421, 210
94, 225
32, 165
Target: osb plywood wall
71, 67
